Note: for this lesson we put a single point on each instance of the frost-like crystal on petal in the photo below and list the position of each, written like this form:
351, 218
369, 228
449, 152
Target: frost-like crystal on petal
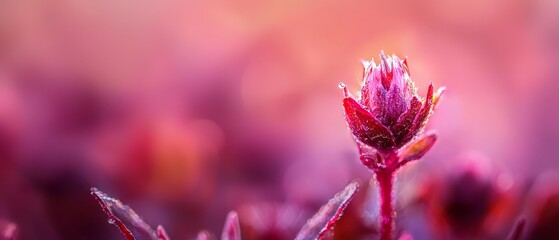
365, 127
323, 221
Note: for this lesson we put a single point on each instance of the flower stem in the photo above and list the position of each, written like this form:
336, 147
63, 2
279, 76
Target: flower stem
385, 179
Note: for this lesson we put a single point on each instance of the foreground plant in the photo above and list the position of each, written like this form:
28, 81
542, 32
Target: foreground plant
320, 226
387, 120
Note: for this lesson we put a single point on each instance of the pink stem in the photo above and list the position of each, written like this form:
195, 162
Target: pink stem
385, 179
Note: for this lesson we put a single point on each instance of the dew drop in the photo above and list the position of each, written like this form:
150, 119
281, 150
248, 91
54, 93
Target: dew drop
343, 86
111, 221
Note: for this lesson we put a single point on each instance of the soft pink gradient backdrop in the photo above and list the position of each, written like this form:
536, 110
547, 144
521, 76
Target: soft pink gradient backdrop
188, 109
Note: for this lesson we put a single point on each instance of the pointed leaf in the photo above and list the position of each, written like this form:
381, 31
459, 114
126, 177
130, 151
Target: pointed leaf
232, 228
418, 148
365, 127
438, 96
8, 230
422, 117
162, 234
126, 220
402, 127
323, 221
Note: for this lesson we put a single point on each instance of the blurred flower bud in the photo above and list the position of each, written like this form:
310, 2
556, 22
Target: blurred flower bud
469, 203
272, 221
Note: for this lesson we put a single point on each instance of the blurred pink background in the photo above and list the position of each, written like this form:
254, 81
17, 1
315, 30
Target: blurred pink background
188, 109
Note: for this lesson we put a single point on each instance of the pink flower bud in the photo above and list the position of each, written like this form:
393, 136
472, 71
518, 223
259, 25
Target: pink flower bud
388, 112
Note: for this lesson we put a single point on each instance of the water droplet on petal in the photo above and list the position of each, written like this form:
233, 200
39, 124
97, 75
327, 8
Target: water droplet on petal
343, 86
111, 221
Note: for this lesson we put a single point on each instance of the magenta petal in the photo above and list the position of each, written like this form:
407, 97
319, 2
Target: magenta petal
365, 127
378, 103
366, 94
418, 148
402, 127
405, 65
232, 228
421, 118
122, 216
396, 105
323, 221
386, 70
